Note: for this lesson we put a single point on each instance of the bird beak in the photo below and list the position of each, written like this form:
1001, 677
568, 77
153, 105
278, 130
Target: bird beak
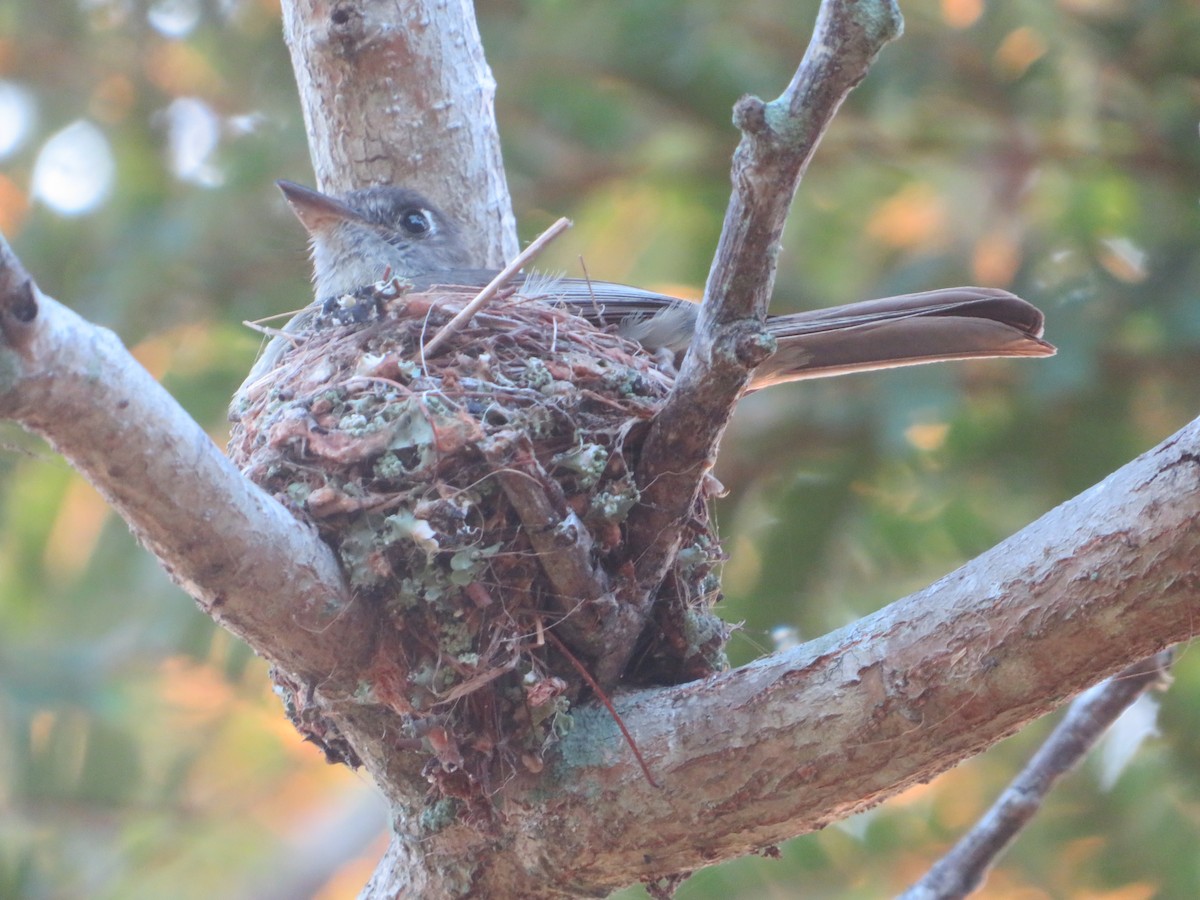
316, 211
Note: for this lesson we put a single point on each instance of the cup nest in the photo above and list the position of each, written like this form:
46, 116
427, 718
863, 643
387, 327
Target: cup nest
477, 500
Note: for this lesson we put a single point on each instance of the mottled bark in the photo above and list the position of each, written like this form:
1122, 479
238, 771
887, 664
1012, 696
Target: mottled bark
400, 93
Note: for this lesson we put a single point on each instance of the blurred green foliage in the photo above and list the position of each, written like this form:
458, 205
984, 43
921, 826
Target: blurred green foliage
1048, 147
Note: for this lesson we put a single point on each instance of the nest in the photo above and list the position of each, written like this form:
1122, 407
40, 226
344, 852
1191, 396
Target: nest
477, 502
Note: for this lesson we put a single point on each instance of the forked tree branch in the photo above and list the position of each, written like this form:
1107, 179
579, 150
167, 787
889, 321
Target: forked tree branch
774, 749
778, 141
749, 758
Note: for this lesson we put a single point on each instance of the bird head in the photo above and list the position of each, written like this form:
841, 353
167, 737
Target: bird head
356, 238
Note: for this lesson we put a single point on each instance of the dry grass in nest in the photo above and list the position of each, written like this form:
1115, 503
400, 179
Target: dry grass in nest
477, 501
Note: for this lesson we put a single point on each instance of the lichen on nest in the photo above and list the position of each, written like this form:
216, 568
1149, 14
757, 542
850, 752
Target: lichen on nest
477, 502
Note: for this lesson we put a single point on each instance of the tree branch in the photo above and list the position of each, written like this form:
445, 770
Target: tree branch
962, 870
778, 141
381, 84
250, 565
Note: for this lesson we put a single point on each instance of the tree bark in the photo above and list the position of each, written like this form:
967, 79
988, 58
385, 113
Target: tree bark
962, 870
778, 141
247, 561
400, 93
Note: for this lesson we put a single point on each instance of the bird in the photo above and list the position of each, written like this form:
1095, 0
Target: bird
361, 237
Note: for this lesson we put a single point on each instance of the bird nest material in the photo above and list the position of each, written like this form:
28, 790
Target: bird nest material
476, 500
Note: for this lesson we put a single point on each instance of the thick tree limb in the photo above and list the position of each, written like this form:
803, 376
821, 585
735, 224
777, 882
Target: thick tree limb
382, 84
962, 870
246, 560
778, 140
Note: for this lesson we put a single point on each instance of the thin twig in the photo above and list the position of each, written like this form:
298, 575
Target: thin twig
963, 869
603, 697
485, 296
255, 323
268, 331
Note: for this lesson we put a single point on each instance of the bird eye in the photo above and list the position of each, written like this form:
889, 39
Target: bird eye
416, 221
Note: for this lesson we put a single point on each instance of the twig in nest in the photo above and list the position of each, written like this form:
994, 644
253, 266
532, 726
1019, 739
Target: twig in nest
257, 324
612, 710
485, 296
268, 331
561, 540
962, 870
